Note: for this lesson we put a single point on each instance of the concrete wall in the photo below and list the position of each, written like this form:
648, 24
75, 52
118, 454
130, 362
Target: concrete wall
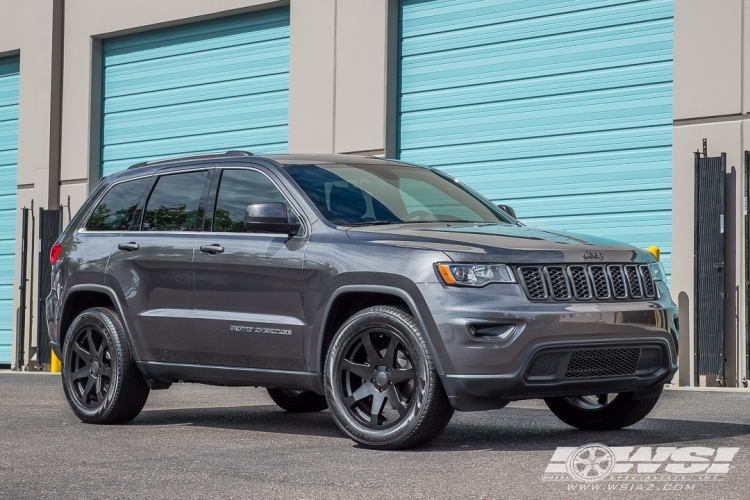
32, 29
710, 84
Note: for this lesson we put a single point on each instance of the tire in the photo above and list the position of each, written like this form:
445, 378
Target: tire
379, 357
295, 401
104, 387
594, 413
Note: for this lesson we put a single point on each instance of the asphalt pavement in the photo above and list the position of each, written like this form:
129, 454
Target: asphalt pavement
194, 441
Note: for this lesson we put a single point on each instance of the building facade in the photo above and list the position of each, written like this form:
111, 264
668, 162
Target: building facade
582, 115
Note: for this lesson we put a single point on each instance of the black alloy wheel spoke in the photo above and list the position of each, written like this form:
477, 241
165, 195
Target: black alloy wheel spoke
372, 353
401, 374
92, 346
98, 392
82, 373
378, 402
390, 354
82, 353
364, 390
90, 383
360, 370
107, 371
392, 395
602, 399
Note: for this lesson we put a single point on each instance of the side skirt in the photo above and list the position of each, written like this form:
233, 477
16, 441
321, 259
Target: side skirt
168, 373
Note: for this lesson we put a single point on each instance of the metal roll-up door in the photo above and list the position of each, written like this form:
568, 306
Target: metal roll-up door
209, 86
9, 79
561, 109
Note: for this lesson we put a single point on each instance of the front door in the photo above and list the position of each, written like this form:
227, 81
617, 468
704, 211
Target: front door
248, 286
152, 266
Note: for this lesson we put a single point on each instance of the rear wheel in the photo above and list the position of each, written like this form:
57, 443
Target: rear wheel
101, 381
381, 384
297, 401
601, 412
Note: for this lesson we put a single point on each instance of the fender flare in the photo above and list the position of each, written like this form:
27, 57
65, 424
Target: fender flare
118, 308
386, 290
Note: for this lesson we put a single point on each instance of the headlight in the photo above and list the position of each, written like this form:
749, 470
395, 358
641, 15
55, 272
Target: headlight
475, 274
657, 271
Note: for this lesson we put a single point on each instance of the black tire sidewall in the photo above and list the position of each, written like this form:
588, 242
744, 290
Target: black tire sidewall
377, 317
621, 412
108, 326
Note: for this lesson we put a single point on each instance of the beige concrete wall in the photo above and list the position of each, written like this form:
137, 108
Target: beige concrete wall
710, 78
28, 29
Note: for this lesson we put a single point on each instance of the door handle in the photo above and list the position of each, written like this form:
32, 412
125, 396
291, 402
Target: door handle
212, 249
129, 247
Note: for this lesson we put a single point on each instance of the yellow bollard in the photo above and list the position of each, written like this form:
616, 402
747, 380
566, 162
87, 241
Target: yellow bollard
654, 250
54, 363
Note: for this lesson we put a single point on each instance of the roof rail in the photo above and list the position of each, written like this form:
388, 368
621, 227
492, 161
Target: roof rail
193, 157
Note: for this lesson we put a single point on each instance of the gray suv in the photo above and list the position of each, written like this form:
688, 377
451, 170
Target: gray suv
390, 293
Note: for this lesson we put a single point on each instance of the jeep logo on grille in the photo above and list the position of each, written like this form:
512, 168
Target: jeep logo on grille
593, 255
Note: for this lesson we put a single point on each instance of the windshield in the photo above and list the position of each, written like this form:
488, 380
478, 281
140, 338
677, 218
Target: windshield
388, 194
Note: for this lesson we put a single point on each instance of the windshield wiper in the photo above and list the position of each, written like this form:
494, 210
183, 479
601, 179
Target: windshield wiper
383, 222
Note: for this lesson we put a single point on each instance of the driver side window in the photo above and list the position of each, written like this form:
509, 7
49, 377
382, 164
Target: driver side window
238, 189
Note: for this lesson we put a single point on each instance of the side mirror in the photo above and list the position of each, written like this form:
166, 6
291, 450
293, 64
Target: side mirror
269, 217
508, 210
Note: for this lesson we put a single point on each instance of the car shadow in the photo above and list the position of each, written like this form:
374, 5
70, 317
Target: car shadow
509, 429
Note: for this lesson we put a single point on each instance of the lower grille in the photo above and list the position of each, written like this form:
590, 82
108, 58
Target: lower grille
586, 282
543, 368
603, 363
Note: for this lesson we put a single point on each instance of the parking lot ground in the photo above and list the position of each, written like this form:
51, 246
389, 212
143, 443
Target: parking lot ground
195, 441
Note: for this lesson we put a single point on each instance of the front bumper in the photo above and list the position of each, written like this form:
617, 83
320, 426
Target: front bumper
482, 373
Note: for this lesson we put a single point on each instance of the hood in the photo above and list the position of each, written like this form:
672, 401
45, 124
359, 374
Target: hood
501, 243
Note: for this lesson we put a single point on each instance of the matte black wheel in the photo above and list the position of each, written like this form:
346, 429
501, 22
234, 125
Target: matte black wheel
100, 379
297, 401
381, 384
601, 412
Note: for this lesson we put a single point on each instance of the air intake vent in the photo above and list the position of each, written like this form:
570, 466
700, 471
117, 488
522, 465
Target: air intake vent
558, 284
603, 363
634, 282
580, 281
618, 282
601, 284
531, 277
648, 284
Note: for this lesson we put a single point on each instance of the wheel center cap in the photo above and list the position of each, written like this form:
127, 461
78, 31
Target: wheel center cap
95, 368
381, 379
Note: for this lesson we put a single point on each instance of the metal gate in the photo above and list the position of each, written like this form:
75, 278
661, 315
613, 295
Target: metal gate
710, 175
50, 227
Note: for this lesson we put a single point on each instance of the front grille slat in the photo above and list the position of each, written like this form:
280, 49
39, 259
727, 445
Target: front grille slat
587, 282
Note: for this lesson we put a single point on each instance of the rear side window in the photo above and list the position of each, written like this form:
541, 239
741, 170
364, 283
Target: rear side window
115, 211
175, 202
237, 190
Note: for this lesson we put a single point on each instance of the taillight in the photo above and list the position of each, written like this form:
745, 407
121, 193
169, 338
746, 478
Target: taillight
54, 254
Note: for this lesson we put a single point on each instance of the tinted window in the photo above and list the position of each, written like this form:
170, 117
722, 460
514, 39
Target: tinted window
116, 210
174, 203
388, 193
237, 190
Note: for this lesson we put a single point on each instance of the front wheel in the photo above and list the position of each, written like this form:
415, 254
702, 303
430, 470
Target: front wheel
101, 381
381, 384
601, 412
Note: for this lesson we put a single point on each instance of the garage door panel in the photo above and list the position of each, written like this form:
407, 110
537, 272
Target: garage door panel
9, 88
561, 109
203, 87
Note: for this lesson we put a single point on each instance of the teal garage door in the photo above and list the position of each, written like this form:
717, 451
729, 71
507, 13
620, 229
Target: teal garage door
9, 75
210, 86
561, 109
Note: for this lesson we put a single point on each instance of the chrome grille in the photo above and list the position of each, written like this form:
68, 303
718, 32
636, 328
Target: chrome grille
586, 282
558, 285
531, 277
618, 282
634, 283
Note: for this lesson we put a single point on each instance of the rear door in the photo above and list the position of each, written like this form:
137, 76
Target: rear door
152, 265
248, 286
